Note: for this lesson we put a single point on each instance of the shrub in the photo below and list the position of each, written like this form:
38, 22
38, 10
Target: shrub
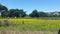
7, 23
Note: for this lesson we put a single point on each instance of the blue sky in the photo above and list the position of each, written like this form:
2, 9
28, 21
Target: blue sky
29, 5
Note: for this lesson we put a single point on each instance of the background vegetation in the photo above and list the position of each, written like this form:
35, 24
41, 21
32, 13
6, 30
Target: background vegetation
17, 19
5, 12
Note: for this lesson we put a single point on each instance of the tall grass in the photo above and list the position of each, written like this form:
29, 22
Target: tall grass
33, 24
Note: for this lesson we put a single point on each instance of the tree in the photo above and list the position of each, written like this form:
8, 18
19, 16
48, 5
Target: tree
34, 13
3, 11
16, 13
4, 14
13, 12
43, 14
22, 13
3, 8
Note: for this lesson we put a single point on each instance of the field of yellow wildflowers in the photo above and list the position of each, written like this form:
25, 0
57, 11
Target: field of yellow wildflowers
33, 24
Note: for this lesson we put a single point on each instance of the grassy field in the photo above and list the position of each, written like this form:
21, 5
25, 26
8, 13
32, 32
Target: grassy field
32, 24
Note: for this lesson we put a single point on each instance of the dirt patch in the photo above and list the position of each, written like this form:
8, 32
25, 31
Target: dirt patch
40, 32
26, 32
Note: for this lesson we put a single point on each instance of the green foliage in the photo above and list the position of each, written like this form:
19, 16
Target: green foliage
13, 12
21, 13
5, 23
4, 14
16, 13
34, 13
43, 14
3, 8
3, 11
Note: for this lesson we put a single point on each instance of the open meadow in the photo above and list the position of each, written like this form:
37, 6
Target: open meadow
23, 25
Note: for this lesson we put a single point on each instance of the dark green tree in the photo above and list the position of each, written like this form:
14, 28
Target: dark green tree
16, 13
42, 14
34, 13
4, 14
3, 8
22, 13
3, 11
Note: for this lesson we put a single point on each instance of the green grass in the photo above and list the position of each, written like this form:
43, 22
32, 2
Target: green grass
32, 27
36, 24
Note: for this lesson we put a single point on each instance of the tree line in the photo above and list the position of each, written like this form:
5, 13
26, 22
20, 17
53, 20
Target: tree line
4, 12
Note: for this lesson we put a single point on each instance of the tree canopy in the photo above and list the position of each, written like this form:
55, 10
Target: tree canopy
16, 13
21, 13
3, 8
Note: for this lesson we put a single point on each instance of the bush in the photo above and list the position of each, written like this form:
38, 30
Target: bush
5, 23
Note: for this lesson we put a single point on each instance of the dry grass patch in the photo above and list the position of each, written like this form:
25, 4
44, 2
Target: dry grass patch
26, 32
